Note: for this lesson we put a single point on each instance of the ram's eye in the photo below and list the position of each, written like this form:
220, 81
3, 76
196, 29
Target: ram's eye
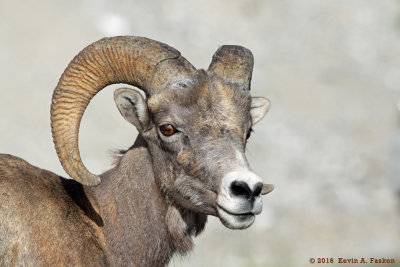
167, 129
249, 133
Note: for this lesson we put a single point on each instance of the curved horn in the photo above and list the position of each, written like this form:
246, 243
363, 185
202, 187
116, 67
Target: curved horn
234, 63
144, 63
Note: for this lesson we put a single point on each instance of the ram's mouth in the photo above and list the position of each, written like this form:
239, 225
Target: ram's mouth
235, 220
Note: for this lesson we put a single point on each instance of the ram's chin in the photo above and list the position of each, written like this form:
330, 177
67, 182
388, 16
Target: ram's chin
235, 221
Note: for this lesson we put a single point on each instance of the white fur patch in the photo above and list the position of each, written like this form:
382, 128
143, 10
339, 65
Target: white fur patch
241, 160
235, 211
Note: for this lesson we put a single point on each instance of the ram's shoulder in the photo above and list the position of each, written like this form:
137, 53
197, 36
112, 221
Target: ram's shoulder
38, 208
18, 173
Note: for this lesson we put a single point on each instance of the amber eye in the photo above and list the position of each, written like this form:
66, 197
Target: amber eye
167, 129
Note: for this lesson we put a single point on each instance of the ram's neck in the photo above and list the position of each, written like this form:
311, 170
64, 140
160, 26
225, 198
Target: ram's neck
133, 210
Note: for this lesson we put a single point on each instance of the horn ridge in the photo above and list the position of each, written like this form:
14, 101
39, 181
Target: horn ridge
123, 59
233, 63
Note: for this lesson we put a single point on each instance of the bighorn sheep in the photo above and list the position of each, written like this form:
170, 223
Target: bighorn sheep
187, 162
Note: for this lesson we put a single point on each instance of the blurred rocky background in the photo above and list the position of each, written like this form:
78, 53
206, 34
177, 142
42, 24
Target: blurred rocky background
330, 143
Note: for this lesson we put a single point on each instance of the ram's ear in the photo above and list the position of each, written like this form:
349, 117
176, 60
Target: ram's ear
259, 107
132, 107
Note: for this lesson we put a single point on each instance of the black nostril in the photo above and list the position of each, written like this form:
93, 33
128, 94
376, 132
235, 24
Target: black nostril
239, 188
257, 189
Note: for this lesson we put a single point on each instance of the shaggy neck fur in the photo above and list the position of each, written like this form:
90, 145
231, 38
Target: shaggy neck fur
140, 223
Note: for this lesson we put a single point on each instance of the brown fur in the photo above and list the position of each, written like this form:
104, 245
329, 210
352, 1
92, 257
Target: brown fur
41, 220
150, 205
